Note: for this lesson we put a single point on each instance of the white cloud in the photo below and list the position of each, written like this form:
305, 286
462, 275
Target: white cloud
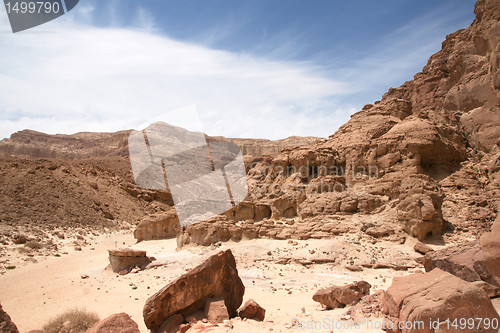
76, 77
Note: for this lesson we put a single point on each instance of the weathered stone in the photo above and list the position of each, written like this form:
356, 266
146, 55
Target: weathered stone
161, 226
422, 248
340, 296
421, 298
252, 310
216, 277
124, 259
465, 261
116, 323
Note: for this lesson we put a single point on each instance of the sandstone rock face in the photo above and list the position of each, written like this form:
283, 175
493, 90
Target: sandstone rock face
252, 310
466, 261
422, 298
124, 259
216, 277
340, 296
6, 324
160, 226
117, 323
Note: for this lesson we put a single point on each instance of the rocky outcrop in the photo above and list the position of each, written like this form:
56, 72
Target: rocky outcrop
125, 259
117, 323
340, 296
158, 226
424, 298
6, 324
190, 292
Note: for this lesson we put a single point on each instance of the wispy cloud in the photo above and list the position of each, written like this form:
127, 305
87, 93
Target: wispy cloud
78, 76
84, 78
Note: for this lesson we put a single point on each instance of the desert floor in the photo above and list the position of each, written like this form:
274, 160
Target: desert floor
277, 274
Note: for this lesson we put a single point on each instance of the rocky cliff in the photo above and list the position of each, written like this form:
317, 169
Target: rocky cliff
425, 159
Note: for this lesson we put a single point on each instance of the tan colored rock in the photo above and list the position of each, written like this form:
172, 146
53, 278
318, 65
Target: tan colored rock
116, 323
124, 259
422, 298
189, 293
6, 324
161, 226
340, 296
252, 310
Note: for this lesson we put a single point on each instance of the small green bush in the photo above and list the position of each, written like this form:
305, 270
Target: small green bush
72, 321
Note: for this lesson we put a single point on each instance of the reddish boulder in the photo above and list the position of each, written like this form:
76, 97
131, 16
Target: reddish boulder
423, 298
6, 324
466, 261
214, 278
117, 323
252, 310
340, 296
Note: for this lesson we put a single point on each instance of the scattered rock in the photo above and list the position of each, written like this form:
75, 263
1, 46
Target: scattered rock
117, 323
340, 296
189, 293
252, 310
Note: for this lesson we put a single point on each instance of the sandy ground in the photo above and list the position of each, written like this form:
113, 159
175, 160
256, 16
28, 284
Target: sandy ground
36, 292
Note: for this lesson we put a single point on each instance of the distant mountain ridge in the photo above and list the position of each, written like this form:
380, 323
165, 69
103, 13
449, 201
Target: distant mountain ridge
92, 144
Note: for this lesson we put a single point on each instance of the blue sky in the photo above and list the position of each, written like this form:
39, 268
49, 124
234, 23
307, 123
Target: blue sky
258, 68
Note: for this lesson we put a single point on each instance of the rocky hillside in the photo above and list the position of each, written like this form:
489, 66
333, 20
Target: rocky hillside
423, 161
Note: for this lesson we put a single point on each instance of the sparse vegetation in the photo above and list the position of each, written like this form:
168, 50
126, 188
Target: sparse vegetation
34, 245
74, 321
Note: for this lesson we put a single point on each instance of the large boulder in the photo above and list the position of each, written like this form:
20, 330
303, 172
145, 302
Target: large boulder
340, 296
465, 261
415, 302
217, 277
116, 323
6, 324
124, 259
